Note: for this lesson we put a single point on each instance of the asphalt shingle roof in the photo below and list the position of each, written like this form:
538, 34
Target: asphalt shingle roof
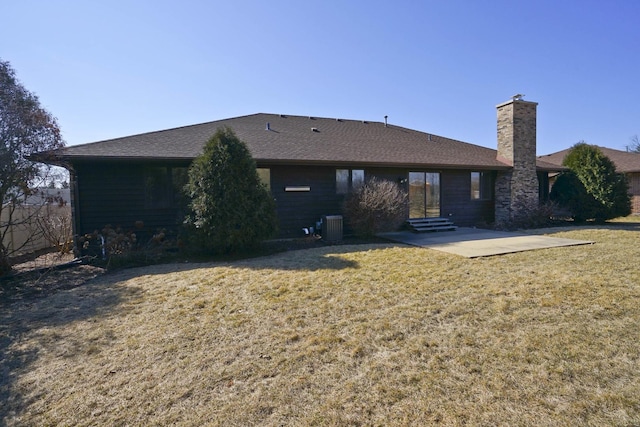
301, 140
625, 162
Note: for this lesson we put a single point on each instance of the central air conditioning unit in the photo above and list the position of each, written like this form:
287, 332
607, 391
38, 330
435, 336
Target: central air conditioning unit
332, 228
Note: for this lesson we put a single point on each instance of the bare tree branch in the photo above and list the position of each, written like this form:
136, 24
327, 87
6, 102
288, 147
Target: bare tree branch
25, 128
635, 144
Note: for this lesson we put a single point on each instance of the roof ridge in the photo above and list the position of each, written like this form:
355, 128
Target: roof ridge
312, 117
388, 125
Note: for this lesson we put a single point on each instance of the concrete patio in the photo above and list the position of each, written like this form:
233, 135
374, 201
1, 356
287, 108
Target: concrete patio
476, 242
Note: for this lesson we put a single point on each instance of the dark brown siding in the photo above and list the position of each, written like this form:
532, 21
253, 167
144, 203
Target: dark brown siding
456, 203
115, 193
302, 209
297, 210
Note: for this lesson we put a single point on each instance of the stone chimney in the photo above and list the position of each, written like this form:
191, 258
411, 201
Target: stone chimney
516, 189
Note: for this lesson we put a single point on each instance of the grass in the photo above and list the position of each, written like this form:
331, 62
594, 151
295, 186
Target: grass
347, 335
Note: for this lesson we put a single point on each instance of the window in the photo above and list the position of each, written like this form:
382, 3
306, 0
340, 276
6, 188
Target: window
348, 180
342, 181
357, 178
481, 186
424, 194
265, 177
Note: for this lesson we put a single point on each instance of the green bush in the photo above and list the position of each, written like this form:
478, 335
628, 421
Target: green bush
231, 210
377, 206
593, 189
569, 193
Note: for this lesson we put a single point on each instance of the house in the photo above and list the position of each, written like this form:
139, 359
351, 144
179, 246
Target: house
625, 162
310, 164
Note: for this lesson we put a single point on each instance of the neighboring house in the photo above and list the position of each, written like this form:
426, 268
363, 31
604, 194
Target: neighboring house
310, 164
625, 162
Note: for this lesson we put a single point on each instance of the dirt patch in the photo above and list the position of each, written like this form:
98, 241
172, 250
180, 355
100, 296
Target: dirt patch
44, 275
40, 260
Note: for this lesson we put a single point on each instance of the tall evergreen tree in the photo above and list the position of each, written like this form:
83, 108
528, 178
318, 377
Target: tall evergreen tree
231, 209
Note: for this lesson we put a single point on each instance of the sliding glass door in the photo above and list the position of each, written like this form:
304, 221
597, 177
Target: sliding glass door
424, 194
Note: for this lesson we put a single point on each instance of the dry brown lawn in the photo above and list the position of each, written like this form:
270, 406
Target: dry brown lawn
346, 335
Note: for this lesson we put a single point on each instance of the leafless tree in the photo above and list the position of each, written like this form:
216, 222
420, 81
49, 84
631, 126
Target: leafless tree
25, 128
635, 144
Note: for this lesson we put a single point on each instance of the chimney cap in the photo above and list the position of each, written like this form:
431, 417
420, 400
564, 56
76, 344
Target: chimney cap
514, 100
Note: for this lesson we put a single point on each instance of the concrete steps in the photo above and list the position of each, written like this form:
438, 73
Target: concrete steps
423, 225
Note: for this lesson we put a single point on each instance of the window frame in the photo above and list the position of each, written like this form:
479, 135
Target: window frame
480, 188
162, 186
265, 176
348, 180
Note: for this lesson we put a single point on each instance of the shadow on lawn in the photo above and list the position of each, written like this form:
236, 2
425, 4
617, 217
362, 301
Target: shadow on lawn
625, 225
308, 259
31, 308
30, 311
313, 259
26, 331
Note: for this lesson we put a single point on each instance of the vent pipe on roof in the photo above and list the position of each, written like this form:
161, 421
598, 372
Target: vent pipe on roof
385, 121
268, 126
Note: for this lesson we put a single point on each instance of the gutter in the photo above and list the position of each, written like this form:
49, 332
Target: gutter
67, 162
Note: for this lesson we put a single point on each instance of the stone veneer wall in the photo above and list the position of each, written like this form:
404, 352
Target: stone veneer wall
517, 189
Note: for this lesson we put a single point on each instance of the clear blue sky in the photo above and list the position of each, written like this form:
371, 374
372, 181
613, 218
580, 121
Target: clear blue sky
116, 68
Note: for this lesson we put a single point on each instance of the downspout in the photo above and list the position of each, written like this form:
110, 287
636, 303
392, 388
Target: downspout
75, 209
103, 247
